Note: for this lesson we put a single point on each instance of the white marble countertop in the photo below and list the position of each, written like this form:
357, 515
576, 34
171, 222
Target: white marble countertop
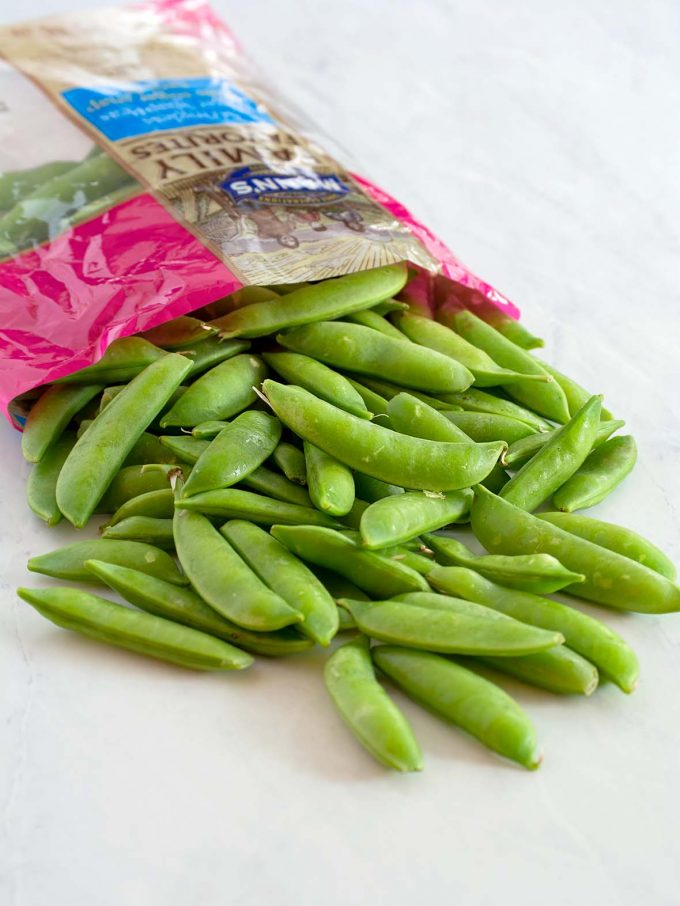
540, 141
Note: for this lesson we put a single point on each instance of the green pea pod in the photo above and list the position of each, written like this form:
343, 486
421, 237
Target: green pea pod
100, 205
362, 350
281, 571
389, 306
68, 562
17, 184
372, 573
132, 481
556, 461
247, 295
441, 338
615, 538
142, 633
558, 670
185, 449
375, 321
463, 698
149, 449
271, 484
402, 517
576, 395
220, 393
373, 401
473, 400
208, 430
418, 562
150, 529
233, 503
291, 461
183, 605
367, 710
541, 574
512, 330
50, 415
447, 632
331, 485
318, 379
412, 416
41, 488
602, 471
521, 451
153, 504
236, 452
611, 579
372, 489
123, 360
224, 580
483, 427
207, 354
408, 462
182, 331
547, 399
328, 299
588, 637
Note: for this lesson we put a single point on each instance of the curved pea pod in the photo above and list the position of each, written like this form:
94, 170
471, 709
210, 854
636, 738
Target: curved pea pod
154, 504
402, 517
547, 399
220, 393
447, 631
17, 184
68, 562
375, 321
149, 529
328, 299
183, 605
541, 574
330, 483
208, 430
207, 354
132, 481
557, 461
224, 580
372, 489
588, 637
236, 452
511, 328
558, 670
136, 631
183, 448
373, 401
483, 427
474, 400
521, 451
602, 471
281, 571
463, 698
441, 338
611, 579
410, 415
408, 462
41, 487
233, 503
50, 415
271, 484
362, 350
123, 360
367, 710
182, 331
291, 461
615, 538
418, 562
372, 573
318, 379
576, 395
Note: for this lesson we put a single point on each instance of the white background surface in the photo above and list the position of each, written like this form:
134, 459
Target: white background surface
540, 140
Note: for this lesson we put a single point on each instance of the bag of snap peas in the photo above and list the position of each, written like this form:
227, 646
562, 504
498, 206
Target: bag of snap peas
146, 172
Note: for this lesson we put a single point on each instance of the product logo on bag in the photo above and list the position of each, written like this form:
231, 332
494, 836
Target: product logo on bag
300, 187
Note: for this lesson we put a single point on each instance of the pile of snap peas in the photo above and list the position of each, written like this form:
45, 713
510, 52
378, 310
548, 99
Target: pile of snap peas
276, 470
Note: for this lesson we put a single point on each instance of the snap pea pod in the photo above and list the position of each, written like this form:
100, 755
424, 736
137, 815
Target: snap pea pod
181, 331
123, 360
208, 430
330, 483
149, 529
556, 461
611, 579
17, 184
558, 670
291, 461
233, 503
41, 488
318, 379
209, 353
271, 484
412, 416
367, 710
418, 562
353, 518
615, 538
132, 481
601, 472
447, 632
547, 399
50, 415
473, 400
408, 462
372, 489
185, 449
99, 205
224, 580
99, 453
541, 574
401, 517
69, 562
149, 449
136, 631
371, 572
483, 427
375, 321
330, 299
434, 335
154, 504
183, 605
220, 393
236, 452
576, 395
362, 350
512, 329
520, 452
585, 635
463, 698
373, 401
389, 306
247, 295
281, 571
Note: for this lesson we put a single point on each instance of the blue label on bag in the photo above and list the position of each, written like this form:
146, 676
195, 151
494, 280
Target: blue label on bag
284, 188
155, 105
